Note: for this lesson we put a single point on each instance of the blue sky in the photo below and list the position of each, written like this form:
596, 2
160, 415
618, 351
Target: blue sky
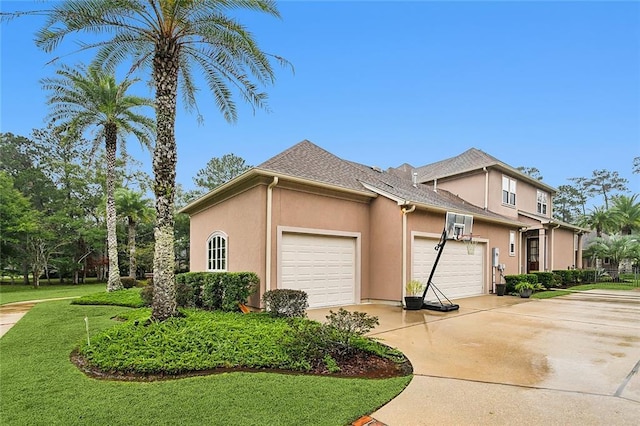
552, 85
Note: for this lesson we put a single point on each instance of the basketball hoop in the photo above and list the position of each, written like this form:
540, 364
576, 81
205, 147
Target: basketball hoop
470, 243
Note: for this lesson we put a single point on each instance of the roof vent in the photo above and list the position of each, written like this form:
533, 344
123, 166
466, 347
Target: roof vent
376, 168
415, 179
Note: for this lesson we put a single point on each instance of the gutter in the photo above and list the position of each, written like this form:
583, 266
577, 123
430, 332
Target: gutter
267, 279
255, 172
486, 188
405, 212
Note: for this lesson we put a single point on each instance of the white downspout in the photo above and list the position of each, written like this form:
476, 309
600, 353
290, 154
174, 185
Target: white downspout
267, 279
553, 252
405, 212
486, 188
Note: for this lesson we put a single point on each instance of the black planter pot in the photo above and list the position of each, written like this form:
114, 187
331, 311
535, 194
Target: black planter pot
525, 294
501, 289
413, 303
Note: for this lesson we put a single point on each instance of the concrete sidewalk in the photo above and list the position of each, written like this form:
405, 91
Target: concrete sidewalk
506, 360
10, 313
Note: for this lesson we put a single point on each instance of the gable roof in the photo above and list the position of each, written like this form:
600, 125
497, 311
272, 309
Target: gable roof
470, 160
308, 161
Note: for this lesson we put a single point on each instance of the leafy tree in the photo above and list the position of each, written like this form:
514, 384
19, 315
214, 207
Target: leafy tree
135, 208
85, 98
581, 186
219, 171
20, 157
567, 203
599, 219
636, 165
531, 171
603, 182
626, 213
18, 219
63, 157
171, 36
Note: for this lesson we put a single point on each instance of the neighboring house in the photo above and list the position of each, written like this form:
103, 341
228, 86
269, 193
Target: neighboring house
347, 233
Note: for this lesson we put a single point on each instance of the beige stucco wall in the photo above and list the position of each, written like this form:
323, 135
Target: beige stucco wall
293, 207
469, 187
385, 251
562, 249
242, 218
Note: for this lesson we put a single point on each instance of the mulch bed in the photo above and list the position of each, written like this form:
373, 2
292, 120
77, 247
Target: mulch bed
361, 365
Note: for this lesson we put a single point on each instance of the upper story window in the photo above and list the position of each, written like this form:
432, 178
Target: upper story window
542, 202
217, 252
508, 191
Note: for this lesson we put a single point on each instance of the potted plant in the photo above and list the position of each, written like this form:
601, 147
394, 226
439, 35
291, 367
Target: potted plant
413, 299
525, 288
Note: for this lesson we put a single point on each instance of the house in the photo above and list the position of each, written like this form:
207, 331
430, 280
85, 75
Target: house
347, 233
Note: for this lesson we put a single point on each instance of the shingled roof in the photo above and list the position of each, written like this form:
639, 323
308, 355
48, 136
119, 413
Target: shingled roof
470, 160
308, 161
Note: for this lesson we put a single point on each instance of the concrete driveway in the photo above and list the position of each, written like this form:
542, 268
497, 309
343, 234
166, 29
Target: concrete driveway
506, 360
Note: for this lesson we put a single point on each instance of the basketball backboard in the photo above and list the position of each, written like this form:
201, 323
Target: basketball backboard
457, 225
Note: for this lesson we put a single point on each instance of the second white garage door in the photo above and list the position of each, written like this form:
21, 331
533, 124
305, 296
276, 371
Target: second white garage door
322, 266
458, 274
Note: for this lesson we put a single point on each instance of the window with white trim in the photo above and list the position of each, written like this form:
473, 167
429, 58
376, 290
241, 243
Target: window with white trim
512, 243
508, 191
217, 252
542, 198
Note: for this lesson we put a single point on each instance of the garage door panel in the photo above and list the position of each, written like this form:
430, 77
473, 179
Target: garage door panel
458, 274
322, 266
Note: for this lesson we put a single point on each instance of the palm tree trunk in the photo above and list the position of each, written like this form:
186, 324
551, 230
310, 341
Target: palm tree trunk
111, 136
165, 69
132, 248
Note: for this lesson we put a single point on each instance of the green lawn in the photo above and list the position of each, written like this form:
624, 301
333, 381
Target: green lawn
41, 386
19, 293
584, 287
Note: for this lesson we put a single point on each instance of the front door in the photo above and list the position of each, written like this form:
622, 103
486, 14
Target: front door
533, 254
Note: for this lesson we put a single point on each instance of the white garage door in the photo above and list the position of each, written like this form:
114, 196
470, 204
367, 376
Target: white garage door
322, 266
458, 274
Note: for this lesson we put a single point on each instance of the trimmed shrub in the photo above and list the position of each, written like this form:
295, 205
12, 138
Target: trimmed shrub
546, 279
512, 280
568, 276
226, 290
286, 303
588, 275
212, 291
128, 282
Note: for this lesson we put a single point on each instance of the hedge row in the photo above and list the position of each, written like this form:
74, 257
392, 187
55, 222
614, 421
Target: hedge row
212, 291
561, 277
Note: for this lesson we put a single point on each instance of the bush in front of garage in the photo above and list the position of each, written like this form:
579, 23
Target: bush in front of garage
286, 303
213, 291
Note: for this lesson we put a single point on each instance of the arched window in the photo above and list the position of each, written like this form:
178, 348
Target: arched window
217, 252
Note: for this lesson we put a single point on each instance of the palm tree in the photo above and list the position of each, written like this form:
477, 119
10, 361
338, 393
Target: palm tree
626, 213
599, 219
617, 248
170, 37
85, 98
134, 208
